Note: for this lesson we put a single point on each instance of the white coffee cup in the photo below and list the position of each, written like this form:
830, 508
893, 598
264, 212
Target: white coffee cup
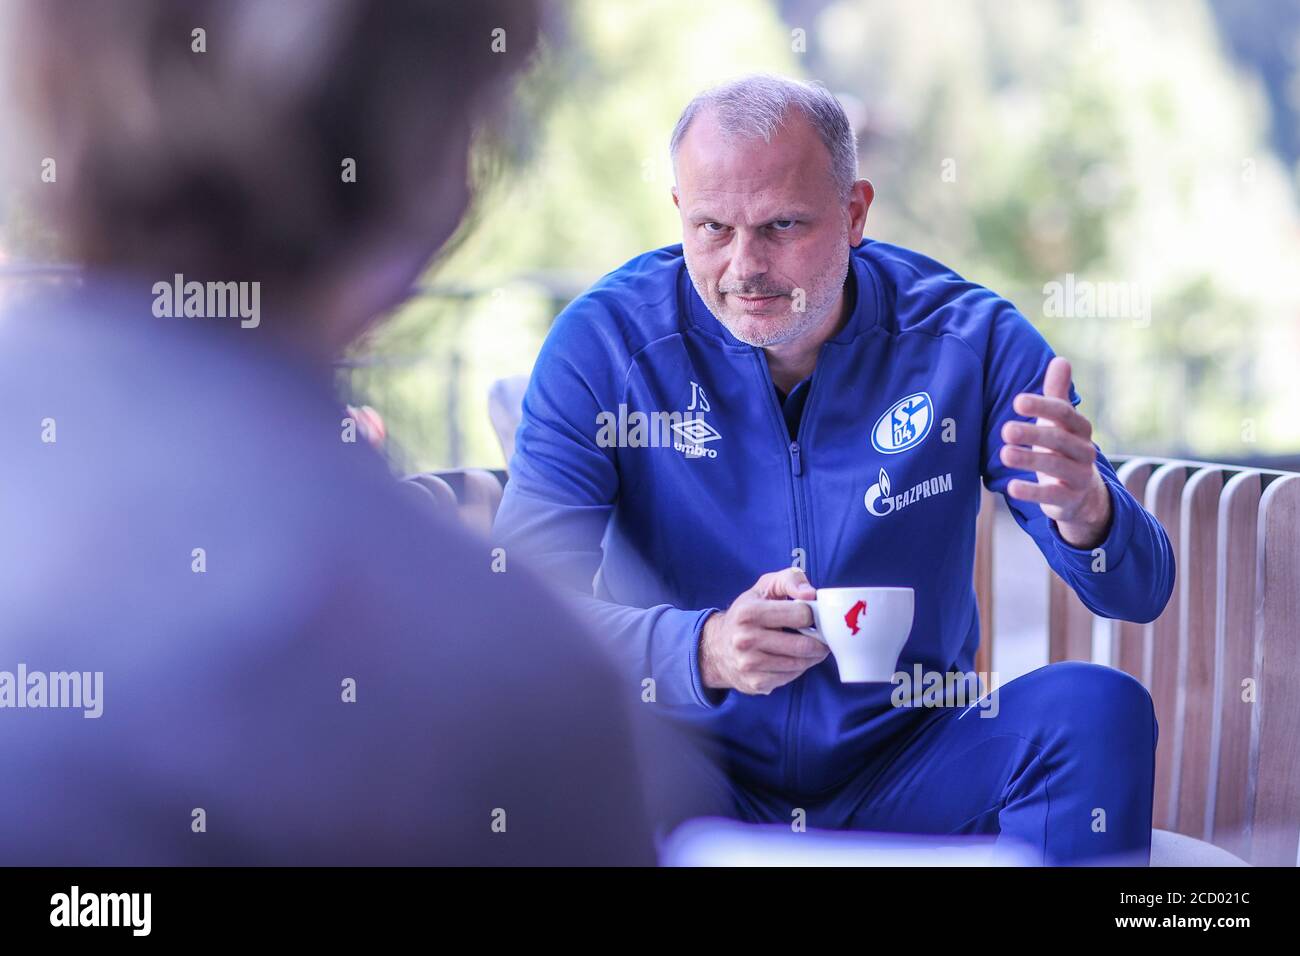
865, 629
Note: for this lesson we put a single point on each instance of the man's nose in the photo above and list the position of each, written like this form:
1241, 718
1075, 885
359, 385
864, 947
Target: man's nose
748, 258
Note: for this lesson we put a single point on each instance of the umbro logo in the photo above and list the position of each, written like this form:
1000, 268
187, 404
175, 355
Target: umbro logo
697, 431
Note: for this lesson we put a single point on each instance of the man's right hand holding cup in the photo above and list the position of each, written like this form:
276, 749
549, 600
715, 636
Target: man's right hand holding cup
749, 648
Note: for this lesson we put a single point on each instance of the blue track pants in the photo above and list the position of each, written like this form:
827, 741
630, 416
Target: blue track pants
1066, 769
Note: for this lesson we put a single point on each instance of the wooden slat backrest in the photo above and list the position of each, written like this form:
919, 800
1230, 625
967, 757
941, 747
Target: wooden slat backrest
1195, 702
441, 493
1069, 623
1227, 809
477, 493
1275, 828
1129, 641
479, 496
1164, 496
1228, 763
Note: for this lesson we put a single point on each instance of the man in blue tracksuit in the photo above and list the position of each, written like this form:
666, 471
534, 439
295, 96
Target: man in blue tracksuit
776, 402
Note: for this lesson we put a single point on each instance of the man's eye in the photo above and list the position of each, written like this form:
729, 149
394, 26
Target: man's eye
784, 225
709, 227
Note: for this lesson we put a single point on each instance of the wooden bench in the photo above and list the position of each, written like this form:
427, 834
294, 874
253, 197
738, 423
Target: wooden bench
1222, 663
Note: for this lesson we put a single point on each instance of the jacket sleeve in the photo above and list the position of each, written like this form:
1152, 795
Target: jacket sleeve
563, 488
1129, 575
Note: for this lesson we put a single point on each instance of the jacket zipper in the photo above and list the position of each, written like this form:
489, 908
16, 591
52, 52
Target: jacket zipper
795, 455
796, 693
801, 522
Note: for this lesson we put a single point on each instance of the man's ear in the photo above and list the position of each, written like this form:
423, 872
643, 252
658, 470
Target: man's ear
860, 198
675, 200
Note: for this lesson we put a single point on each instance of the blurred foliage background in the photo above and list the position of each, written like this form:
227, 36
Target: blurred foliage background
1017, 141
1150, 144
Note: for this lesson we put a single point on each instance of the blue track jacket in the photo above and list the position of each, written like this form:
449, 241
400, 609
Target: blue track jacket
654, 475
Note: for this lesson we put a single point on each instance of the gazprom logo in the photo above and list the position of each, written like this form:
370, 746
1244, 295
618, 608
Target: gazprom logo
881, 502
904, 425
878, 500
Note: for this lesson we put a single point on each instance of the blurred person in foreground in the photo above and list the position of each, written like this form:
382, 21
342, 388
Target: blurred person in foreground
839, 404
228, 638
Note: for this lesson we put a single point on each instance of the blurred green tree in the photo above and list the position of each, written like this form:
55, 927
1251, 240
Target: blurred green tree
1026, 142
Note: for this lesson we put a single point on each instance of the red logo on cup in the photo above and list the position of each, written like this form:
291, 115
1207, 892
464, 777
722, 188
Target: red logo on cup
854, 615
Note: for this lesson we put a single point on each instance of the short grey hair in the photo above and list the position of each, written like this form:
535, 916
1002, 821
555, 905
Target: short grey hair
758, 104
